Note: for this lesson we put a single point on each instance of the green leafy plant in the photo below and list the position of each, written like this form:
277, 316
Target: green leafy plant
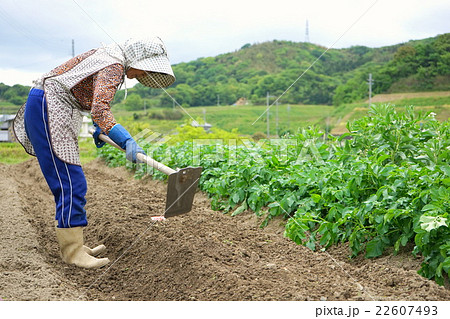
384, 184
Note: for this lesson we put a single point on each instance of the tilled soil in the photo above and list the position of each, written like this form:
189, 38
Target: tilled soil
202, 255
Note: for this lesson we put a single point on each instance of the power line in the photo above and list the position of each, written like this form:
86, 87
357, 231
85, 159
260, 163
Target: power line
44, 41
312, 64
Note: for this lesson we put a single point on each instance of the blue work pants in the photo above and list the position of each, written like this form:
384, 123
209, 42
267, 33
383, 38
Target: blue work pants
66, 181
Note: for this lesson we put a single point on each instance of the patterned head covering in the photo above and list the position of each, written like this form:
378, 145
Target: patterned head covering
145, 54
149, 55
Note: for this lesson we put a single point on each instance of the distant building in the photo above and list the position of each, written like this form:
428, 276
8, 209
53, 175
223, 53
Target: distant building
241, 101
206, 126
6, 130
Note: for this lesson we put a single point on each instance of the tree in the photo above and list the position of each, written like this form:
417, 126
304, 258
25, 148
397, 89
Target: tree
405, 61
134, 102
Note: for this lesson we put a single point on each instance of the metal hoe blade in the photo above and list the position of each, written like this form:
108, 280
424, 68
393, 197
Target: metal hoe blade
181, 186
181, 189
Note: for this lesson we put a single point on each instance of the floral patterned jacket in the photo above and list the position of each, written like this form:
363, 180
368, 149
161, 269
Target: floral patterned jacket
87, 82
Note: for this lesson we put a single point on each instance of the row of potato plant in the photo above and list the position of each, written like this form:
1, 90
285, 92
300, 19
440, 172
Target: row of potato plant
384, 184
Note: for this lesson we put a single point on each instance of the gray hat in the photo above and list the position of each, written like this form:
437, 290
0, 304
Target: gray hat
150, 55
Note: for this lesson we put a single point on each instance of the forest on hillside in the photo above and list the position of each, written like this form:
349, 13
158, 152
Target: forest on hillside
336, 77
303, 73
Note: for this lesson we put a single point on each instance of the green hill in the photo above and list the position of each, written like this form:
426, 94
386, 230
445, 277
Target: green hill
301, 73
295, 71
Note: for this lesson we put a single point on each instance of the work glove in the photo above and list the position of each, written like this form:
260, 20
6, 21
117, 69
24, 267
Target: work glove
122, 138
98, 142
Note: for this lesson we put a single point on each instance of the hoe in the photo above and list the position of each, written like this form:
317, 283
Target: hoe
181, 187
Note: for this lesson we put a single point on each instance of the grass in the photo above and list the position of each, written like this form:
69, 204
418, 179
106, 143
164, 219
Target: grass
14, 153
442, 114
249, 120
416, 98
8, 108
437, 102
88, 151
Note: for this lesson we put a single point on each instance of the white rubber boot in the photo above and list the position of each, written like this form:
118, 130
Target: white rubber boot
72, 250
94, 251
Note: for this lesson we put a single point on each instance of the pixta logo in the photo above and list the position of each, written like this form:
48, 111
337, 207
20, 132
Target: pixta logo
151, 142
284, 150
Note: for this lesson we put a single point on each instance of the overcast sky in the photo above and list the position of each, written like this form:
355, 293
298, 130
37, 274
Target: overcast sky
37, 35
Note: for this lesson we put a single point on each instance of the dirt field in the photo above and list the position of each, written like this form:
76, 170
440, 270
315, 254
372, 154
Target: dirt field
203, 255
381, 98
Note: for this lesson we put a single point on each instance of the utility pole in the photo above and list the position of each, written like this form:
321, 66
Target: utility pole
267, 113
307, 32
276, 122
73, 48
218, 100
370, 88
289, 116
